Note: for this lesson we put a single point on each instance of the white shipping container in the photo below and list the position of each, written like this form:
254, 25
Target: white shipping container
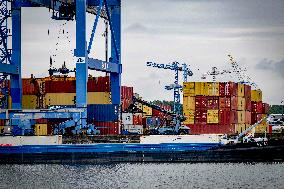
134, 128
30, 140
127, 118
159, 139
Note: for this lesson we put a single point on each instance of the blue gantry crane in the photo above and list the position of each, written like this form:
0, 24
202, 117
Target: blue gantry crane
175, 86
10, 58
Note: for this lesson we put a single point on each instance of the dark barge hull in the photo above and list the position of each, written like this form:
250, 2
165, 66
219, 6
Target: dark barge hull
82, 154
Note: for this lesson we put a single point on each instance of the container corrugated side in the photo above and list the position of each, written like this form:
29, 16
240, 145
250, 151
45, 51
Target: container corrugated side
102, 112
201, 88
241, 103
29, 101
212, 102
224, 102
40, 129
200, 116
212, 116
108, 128
241, 117
189, 116
239, 128
188, 89
188, 103
99, 98
241, 90
256, 95
224, 116
213, 89
52, 99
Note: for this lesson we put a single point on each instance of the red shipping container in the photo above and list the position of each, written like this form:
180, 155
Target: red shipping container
221, 89
224, 116
224, 103
248, 106
233, 116
213, 102
137, 119
125, 103
67, 86
247, 92
227, 129
270, 129
107, 128
2, 122
234, 103
259, 107
265, 108
231, 89
200, 116
248, 117
30, 87
201, 102
99, 84
126, 92
255, 117
41, 121
253, 106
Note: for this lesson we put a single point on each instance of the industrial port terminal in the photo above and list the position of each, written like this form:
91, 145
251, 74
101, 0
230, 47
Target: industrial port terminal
62, 118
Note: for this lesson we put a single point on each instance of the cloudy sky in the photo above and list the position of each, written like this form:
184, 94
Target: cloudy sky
200, 33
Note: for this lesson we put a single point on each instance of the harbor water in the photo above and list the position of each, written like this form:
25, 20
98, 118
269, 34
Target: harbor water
144, 175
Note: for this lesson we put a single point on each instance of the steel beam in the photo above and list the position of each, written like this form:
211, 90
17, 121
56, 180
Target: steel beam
115, 25
9, 69
81, 58
16, 79
100, 65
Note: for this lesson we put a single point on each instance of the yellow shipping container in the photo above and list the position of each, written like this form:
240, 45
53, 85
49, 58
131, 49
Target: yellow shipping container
9, 102
256, 95
241, 103
188, 89
241, 90
1, 129
213, 89
212, 116
201, 88
188, 103
52, 99
189, 116
261, 128
70, 98
239, 128
99, 98
41, 129
29, 101
241, 117
147, 111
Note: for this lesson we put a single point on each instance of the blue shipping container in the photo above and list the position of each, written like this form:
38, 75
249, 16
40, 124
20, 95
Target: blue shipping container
102, 112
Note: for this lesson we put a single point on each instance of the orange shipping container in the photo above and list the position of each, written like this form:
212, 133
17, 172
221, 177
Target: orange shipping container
212, 116
241, 117
241, 103
188, 89
188, 103
189, 116
241, 90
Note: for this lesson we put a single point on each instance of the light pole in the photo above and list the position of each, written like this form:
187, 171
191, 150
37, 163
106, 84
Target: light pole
282, 109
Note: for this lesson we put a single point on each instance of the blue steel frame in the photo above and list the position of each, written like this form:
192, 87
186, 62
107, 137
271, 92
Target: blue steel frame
83, 62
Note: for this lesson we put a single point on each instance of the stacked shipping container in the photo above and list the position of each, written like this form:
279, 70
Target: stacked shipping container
126, 97
132, 123
223, 107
